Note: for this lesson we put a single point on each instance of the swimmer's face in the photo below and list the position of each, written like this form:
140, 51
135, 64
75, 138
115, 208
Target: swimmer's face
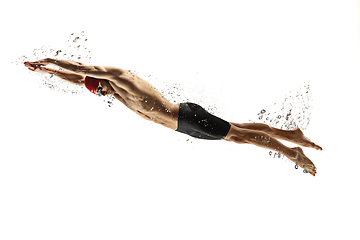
104, 88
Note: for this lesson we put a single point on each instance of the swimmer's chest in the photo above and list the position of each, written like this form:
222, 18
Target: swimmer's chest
140, 96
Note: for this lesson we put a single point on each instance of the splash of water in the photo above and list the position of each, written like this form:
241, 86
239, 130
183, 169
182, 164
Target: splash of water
292, 112
75, 49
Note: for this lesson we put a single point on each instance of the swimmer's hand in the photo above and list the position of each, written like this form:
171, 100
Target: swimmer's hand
33, 66
40, 63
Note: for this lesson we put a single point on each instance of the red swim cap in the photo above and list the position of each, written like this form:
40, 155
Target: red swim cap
91, 84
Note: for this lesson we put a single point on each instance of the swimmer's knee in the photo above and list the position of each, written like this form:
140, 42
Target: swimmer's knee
234, 135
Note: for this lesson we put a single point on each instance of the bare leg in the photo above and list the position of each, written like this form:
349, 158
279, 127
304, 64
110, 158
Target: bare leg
295, 136
261, 139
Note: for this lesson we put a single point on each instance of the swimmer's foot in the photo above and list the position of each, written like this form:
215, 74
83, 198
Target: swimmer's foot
304, 141
304, 162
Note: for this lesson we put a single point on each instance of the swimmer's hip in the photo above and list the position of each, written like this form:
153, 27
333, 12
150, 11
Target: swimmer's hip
195, 121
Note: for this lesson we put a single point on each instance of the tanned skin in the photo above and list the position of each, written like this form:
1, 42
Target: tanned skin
143, 99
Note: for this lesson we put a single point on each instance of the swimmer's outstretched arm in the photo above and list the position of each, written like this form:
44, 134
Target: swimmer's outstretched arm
74, 78
109, 73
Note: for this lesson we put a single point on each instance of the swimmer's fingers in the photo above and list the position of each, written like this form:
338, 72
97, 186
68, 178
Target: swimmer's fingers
27, 64
35, 67
42, 62
30, 66
38, 63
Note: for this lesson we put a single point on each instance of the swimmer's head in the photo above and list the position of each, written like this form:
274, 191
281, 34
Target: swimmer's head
92, 84
99, 87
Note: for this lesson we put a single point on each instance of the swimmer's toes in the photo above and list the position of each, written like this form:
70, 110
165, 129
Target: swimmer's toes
310, 168
304, 141
318, 147
312, 145
305, 162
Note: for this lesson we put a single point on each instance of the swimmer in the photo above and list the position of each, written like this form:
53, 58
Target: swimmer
188, 118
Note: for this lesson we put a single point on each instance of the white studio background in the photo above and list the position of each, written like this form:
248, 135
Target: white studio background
72, 168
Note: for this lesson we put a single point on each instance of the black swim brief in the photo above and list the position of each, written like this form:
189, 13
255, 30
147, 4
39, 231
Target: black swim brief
197, 122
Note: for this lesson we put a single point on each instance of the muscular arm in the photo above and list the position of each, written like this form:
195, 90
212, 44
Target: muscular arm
74, 78
109, 73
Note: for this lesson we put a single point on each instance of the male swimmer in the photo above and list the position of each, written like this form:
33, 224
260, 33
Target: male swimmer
188, 118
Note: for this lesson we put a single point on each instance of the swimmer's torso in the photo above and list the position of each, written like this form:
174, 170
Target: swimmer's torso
141, 97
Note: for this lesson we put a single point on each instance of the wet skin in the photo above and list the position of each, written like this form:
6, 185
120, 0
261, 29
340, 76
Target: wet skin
142, 98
